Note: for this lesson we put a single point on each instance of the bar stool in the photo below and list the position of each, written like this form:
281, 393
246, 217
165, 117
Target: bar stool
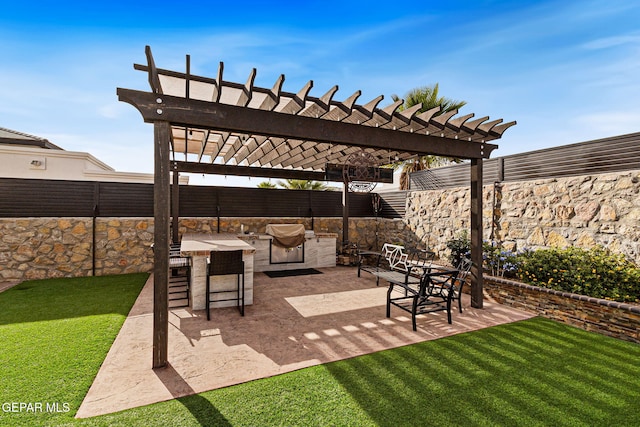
180, 277
223, 263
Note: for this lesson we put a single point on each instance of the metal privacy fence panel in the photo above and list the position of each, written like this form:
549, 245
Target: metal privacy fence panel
23, 198
615, 154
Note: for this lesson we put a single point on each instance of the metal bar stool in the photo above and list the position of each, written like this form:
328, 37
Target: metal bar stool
223, 263
180, 277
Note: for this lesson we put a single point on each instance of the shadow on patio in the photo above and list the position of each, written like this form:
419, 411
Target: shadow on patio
295, 322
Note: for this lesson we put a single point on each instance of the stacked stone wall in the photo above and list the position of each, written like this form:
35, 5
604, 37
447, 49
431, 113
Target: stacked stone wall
582, 211
41, 248
611, 318
579, 211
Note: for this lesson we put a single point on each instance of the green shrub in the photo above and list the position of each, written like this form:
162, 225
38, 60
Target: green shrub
460, 247
596, 272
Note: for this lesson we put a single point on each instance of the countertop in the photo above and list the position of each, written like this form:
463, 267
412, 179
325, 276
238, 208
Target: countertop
202, 244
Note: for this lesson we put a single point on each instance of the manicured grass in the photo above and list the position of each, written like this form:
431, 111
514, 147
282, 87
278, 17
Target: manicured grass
531, 373
534, 372
54, 336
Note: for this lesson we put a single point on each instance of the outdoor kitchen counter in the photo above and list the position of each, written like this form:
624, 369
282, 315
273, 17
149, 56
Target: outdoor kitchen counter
198, 247
319, 251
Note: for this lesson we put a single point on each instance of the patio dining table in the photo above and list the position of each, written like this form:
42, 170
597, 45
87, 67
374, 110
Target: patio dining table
198, 246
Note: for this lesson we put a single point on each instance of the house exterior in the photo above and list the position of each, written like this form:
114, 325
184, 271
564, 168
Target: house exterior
31, 157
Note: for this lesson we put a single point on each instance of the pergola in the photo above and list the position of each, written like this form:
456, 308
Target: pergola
209, 125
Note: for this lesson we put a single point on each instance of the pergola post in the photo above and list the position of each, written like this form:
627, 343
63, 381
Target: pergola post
175, 205
345, 212
476, 233
161, 209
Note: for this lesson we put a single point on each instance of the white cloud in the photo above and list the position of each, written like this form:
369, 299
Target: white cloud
611, 122
608, 42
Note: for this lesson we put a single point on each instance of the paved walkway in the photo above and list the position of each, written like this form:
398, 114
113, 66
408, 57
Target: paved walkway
6, 285
295, 322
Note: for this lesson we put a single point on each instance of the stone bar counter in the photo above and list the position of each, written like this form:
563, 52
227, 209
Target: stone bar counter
198, 247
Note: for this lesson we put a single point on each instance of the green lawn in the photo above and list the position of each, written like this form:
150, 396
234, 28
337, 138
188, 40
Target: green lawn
534, 372
54, 336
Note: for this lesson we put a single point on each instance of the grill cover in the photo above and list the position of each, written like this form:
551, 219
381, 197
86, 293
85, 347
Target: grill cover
286, 235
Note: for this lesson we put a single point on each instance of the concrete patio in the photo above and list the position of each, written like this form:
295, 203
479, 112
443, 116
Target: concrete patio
295, 322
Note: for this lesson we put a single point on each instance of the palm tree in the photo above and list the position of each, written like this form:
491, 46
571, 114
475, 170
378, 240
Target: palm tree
266, 184
302, 184
419, 164
428, 97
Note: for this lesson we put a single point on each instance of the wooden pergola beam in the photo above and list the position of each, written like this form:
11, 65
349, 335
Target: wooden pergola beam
235, 170
224, 117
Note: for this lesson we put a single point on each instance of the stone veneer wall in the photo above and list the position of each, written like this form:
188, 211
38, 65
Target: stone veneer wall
40, 248
611, 318
579, 211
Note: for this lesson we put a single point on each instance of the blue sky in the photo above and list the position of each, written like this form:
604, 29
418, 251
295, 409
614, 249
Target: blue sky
566, 71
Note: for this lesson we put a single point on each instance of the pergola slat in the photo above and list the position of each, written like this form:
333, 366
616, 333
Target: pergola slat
472, 125
255, 156
217, 89
320, 107
154, 79
233, 148
203, 144
273, 96
408, 113
362, 113
456, 124
486, 127
249, 146
441, 120
219, 145
297, 103
247, 93
380, 118
499, 129
420, 122
271, 150
342, 109
288, 148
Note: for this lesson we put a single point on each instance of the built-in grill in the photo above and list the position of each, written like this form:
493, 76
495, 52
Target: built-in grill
287, 243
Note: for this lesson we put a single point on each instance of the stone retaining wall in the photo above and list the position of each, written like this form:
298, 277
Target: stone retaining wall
616, 319
579, 211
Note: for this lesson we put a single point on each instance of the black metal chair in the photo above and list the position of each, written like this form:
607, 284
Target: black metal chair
223, 263
464, 268
429, 296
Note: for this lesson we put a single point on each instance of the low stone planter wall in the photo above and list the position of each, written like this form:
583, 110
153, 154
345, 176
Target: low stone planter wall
616, 319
